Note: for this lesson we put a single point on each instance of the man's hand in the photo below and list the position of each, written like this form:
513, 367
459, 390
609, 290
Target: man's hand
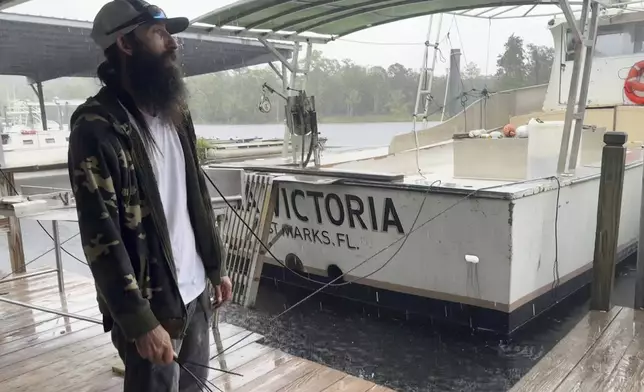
223, 292
156, 346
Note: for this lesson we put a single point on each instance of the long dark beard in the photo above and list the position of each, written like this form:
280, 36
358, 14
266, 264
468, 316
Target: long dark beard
156, 81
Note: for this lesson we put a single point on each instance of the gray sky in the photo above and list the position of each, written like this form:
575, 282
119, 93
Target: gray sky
412, 32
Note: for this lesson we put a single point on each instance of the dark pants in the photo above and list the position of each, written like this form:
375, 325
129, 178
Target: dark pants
143, 376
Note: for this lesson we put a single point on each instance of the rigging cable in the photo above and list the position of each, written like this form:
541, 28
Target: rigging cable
339, 277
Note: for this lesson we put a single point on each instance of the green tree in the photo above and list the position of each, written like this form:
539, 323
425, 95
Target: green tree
539, 64
511, 64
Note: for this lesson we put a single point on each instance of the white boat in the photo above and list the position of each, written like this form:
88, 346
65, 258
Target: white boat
486, 233
257, 148
24, 138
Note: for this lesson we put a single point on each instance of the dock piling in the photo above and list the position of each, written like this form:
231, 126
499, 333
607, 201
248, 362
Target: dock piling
639, 275
14, 233
609, 206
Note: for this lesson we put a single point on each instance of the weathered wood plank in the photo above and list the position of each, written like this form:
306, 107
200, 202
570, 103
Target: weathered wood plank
39, 351
320, 378
268, 372
51, 331
63, 353
237, 358
350, 384
601, 359
61, 368
628, 375
560, 361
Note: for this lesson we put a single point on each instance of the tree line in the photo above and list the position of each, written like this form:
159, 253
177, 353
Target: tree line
344, 91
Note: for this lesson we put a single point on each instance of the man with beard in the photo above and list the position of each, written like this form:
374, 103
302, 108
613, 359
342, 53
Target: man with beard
144, 210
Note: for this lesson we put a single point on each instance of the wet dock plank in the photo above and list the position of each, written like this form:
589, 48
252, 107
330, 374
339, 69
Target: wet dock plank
604, 352
42, 351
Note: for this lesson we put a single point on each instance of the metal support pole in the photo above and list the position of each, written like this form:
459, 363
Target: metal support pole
287, 133
430, 85
307, 64
277, 71
29, 275
48, 310
574, 82
279, 56
585, 83
570, 18
291, 93
423, 70
41, 100
609, 207
59, 257
304, 81
446, 94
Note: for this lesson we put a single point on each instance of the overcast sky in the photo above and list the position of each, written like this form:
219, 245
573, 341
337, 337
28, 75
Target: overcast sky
407, 36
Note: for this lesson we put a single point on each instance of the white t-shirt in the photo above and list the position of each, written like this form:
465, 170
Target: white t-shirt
169, 165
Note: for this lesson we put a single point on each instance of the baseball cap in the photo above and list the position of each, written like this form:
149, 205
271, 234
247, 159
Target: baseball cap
119, 17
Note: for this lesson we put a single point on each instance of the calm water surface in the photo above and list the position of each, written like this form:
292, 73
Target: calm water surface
402, 356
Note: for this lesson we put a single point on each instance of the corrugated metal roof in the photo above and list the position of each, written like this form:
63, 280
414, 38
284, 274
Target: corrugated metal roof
341, 17
4, 4
48, 48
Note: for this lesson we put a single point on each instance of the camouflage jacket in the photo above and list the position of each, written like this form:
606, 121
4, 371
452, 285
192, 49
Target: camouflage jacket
123, 228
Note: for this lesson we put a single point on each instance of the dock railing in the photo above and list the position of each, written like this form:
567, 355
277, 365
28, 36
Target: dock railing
243, 252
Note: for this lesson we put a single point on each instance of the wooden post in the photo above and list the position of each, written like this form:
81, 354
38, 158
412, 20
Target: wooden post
609, 207
16, 251
265, 220
639, 276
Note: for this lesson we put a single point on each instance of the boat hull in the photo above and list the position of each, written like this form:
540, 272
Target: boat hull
333, 227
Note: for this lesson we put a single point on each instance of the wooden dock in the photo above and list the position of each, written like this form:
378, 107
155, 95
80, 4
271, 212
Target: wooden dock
43, 351
604, 352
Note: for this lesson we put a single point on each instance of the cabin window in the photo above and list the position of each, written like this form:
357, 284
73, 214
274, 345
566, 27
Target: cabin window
570, 46
639, 38
612, 40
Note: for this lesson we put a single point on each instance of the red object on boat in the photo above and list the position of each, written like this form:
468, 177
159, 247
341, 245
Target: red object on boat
633, 84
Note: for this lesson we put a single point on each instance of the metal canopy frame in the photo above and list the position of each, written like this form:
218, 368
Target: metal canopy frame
322, 21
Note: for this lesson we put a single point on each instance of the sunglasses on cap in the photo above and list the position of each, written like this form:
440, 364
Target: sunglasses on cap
149, 13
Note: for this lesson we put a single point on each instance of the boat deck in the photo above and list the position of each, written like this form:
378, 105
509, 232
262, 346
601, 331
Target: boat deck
436, 163
43, 351
604, 352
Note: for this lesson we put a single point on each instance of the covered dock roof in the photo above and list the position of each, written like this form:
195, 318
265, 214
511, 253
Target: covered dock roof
4, 4
42, 48
322, 21
336, 18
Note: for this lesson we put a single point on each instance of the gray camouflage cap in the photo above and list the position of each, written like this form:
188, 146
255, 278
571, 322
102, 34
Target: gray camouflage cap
119, 17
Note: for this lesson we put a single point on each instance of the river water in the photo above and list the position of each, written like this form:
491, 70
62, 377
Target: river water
403, 356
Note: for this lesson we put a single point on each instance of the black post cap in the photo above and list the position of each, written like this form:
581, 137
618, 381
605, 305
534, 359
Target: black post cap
615, 138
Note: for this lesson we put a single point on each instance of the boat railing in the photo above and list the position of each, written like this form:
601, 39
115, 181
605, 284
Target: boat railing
488, 112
